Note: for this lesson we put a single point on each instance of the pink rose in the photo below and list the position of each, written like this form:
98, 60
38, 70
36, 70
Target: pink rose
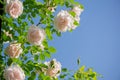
54, 68
35, 35
14, 8
14, 72
62, 21
14, 50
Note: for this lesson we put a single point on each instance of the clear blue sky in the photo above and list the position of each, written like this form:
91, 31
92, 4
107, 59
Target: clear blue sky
96, 41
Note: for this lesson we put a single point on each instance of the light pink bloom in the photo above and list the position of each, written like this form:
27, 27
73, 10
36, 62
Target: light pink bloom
77, 10
77, 19
35, 35
14, 72
62, 21
14, 8
54, 68
14, 50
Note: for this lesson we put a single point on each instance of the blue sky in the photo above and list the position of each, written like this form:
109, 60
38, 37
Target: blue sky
96, 41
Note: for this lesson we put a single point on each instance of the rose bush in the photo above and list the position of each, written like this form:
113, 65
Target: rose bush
18, 31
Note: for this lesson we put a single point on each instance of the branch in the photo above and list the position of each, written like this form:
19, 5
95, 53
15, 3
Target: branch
38, 24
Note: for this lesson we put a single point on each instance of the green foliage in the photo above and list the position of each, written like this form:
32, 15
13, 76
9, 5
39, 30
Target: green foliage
72, 13
32, 58
76, 23
83, 74
32, 76
48, 32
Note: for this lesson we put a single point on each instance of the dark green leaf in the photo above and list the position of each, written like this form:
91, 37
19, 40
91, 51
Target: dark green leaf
33, 76
64, 69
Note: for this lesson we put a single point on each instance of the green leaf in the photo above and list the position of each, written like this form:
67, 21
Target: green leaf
25, 58
67, 4
81, 6
72, 13
91, 75
43, 65
26, 70
9, 62
70, 30
82, 68
64, 69
23, 16
62, 76
36, 57
52, 49
42, 57
45, 43
73, 2
47, 54
58, 33
48, 32
76, 23
18, 61
78, 61
33, 76
33, 14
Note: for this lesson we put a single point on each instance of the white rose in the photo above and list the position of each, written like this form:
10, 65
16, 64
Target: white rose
14, 50
77, 10
77, 19
62, 21
14, 8
35, 35
14, 72
54, 68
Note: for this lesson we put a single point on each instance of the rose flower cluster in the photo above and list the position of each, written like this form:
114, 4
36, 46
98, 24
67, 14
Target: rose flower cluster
63, 21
